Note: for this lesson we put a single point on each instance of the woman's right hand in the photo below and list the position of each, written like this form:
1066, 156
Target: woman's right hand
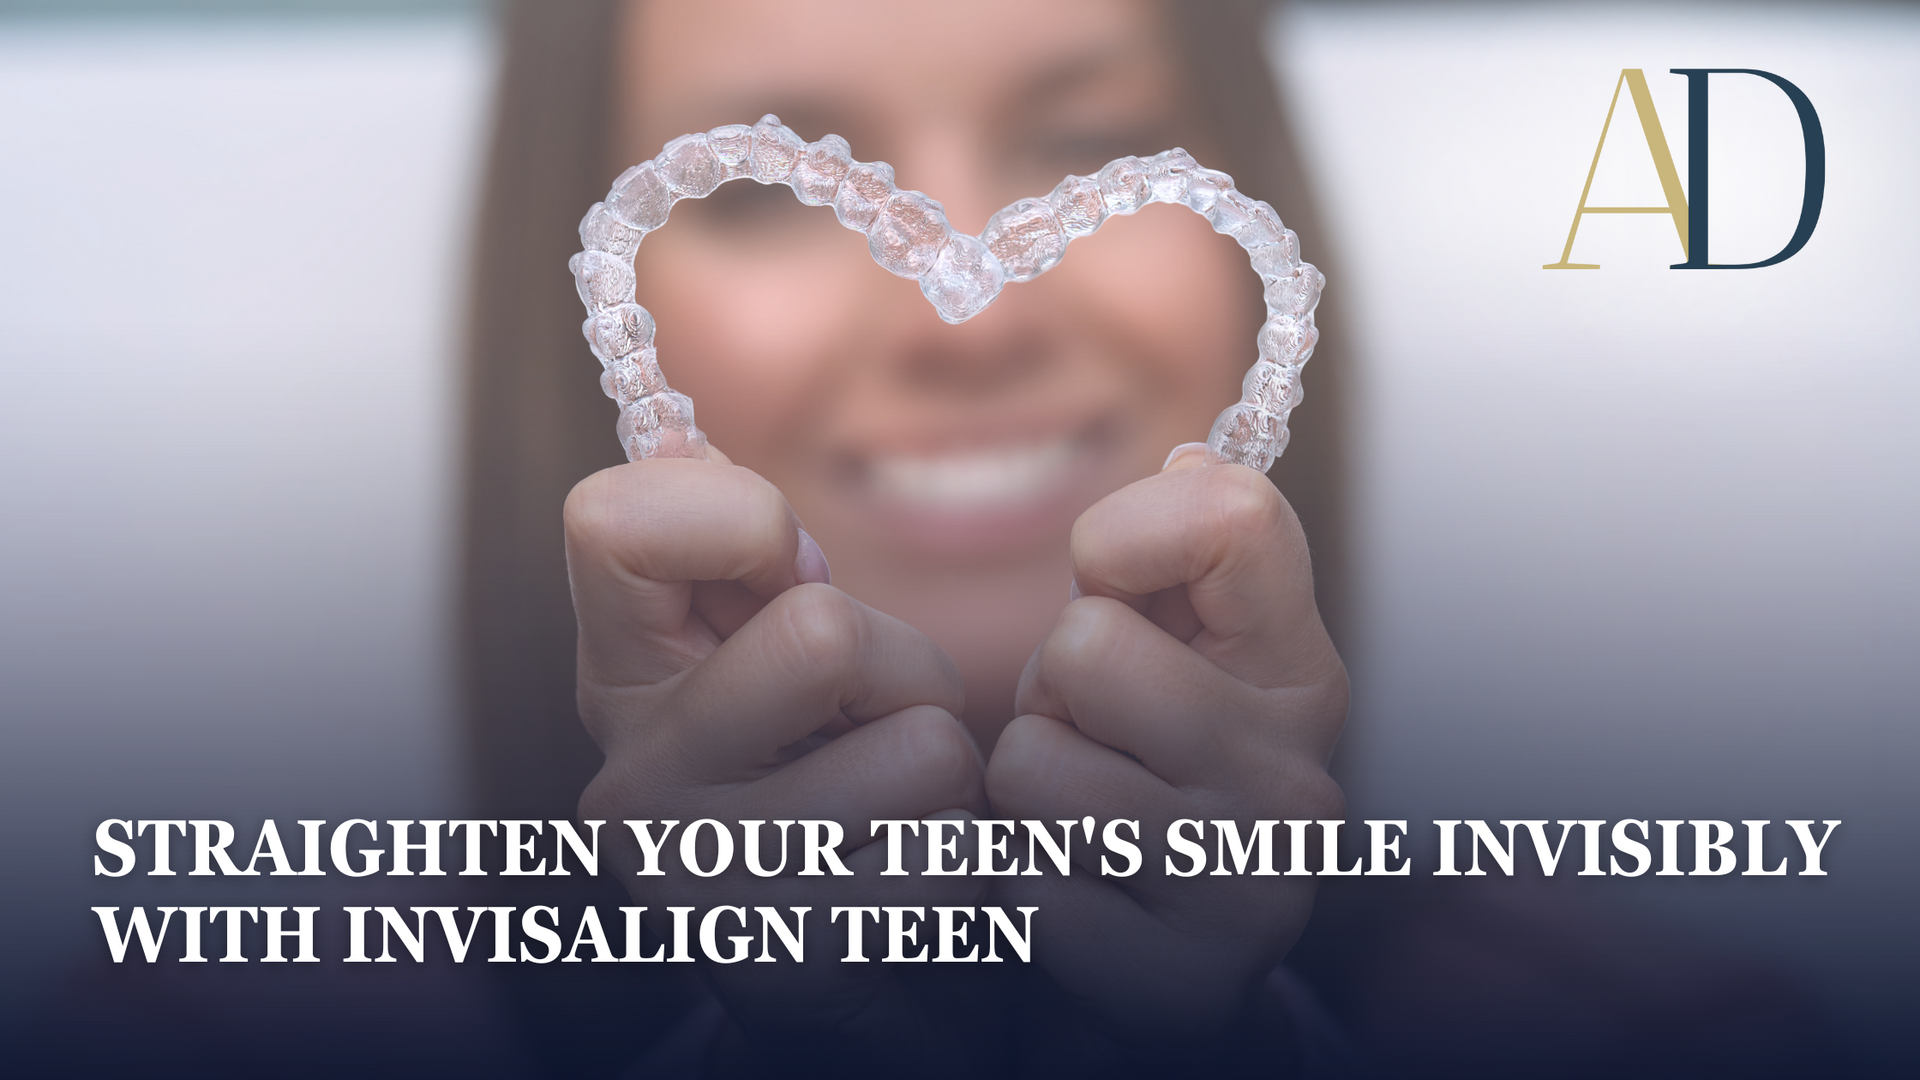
724, 678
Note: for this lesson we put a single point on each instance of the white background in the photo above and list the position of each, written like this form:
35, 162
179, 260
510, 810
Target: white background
1635, 542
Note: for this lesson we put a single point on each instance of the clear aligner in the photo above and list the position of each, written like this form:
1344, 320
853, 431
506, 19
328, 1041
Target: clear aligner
908, 234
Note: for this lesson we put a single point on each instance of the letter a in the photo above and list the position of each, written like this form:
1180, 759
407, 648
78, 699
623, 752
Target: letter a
1635, 80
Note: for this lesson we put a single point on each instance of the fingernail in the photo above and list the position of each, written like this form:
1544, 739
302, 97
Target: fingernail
1073, 590
810, 564
1182, 450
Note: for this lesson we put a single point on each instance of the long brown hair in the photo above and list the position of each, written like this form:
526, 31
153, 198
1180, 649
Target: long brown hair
537, 422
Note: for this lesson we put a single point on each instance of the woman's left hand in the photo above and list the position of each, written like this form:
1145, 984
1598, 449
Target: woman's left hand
1192, 679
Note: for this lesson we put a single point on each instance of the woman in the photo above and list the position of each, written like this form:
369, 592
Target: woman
957, 478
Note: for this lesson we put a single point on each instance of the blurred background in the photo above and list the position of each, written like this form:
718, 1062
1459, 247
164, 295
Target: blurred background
1626, 543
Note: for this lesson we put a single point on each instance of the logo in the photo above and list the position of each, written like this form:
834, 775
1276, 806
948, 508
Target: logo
1689, 209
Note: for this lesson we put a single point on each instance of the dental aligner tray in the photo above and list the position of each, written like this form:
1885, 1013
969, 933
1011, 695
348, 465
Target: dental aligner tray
908, 234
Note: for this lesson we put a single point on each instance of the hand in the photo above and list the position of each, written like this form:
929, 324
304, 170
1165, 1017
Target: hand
1192, 679
724, 679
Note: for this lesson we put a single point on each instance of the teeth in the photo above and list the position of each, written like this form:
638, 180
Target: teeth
1000, 475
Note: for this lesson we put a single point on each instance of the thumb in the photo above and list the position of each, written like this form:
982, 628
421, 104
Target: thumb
1225, 534
640, 535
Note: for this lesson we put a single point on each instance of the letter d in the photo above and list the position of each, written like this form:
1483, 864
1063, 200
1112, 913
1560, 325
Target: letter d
1697, 204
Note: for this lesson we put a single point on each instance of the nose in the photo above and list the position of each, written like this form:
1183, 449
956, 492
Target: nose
950, 161
999, 349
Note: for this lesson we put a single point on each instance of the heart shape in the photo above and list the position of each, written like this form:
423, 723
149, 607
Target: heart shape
907, 233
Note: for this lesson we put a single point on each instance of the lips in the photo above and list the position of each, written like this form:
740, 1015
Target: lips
983, 479
982, 499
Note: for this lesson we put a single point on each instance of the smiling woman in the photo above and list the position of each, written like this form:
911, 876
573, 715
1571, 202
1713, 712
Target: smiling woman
929, 461
957, 477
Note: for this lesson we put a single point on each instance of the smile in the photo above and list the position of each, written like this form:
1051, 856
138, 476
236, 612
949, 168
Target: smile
974, 479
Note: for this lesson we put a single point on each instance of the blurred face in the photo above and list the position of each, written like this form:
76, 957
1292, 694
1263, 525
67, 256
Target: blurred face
940, 467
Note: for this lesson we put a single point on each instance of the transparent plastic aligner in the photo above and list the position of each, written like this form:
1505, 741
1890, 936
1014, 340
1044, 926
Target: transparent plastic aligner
907, 233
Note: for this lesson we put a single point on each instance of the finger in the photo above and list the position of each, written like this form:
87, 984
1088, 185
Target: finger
724, 606
830, 1017
912, 765
1182, 974
640, 534
1226, 534
916, 764
812, 656
1189, 455
1113, 675
1043, 769
904, 766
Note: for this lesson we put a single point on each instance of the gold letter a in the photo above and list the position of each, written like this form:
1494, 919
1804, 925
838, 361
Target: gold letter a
1635, 81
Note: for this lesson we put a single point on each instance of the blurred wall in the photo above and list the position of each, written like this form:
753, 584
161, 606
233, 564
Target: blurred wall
231, 255
1636, 542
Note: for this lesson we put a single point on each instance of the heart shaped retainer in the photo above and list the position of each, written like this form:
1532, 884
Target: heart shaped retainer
908, 234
